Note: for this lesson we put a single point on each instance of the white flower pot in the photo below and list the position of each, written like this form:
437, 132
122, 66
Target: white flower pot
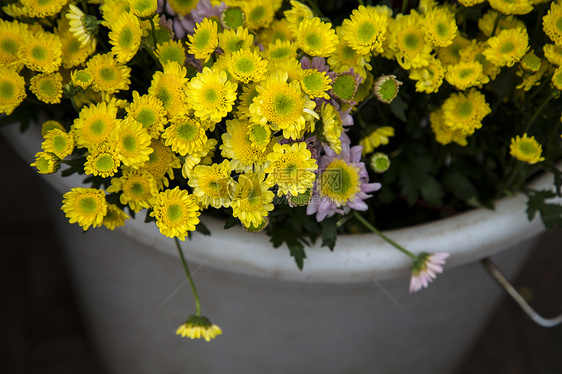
349, 311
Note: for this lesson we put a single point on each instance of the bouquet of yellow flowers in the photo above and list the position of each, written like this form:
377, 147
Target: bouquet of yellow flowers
303, 119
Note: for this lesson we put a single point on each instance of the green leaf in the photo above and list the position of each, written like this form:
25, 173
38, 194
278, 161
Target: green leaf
398, 108
431, 190
551, 214
202, 229
230, 222
330, 232
297, 251
460, 185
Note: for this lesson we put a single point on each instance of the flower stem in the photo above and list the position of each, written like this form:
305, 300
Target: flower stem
189, 278
150, 52
153, 31
496, 24
404, 6
543, 105
384, 237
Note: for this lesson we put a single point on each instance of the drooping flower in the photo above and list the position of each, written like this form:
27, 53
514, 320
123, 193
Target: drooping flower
376, 138
176, 213
46, 162
83, 27
114, 217
365, 30
291, 168
425, 269
526, 149
85, 206
342, 184
197, 327
212, 95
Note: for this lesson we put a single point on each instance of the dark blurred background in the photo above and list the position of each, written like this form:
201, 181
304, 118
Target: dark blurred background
41, 330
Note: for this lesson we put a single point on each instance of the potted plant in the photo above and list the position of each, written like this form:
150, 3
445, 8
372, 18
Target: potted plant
303, 125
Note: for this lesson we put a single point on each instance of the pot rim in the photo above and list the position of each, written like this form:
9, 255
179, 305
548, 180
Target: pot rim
356, 258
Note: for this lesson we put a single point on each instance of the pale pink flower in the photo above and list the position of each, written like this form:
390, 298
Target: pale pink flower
425, 269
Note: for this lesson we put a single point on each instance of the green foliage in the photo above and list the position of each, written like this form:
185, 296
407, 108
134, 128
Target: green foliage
551, 214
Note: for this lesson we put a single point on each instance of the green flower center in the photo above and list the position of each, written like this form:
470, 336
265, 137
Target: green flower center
245, 65
59, 143
97, 127
126, 37
412, 41
388, 89
366, 32
344, 86
129, 143
257, 13
172, 54
137, 189
259, 134
234, 45
314, 82
442, 29
9, 46
147, 117
340, 181
281, 52
233, 17
507, 47
105, 162
348, 53
202, 38
88, 205
465, 109
466, 73
73, 47
527, 148
165, 96
174, 212
211, 96
187, 131
283, 104
82, 76
39, 53
7, 90
107, 74
313, 40
47, 88
43, 165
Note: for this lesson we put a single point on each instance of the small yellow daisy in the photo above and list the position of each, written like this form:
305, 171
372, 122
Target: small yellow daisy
41, 51
296, 15
281, 50
440, 26
132, 143
212, 185
197, 327
103, 161
169, 87
176, 213
365, 31
291, 168
94, 125
246, 66
114, 217
428, 78
408, 41
277, 30
526, 149
345, 58
553, 53
315, 83
171, 50
185, 135
107, 74
204, 40
85, 206
43, 8
139, 189
12, 90
465, 112
512, 6
149, 112
211, 95
234, 40
376, 138
47, 87
144, 9
59, 142
466, 74
552, 23
11, 38
259, 13
125, 36
161, 163
251, 202
508, 47
316, 38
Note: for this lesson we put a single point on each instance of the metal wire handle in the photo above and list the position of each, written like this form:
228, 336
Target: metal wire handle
502, 280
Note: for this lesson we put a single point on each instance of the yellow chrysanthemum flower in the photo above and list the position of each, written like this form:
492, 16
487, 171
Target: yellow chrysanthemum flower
204, 40
552, 23
161, 163
132, 143
211, 94
376, 138
466, 74
203, 157
282, 105
212, 185
102, 161
171, 50
149, 112
315, 83
291, 168
344, 87
251, 202
557, 78
440, 26
94, 125
197, 327
526, 149
365, 30
46, 163
11, 38
296, 15
444, 134
12, 90
81, 26
345, 58
234, 40
278, 30
407, 40
291, 66
332, 127
51, 125
125, 36
169, 87
47, 87
475, 52
316, 38
144, 9
183, 7
465, 112
281, 50
238, 147
512, 6
185, 135
488, 20
259, 13
112, 9
469, 3
553, 53
41, 51
246, 66
428, 78
59, 142
139, 189
114, 217
43, 8
107, 74
508, 47
339, 193
73, 52
249, 92
451, 54
85, 206
176, 213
